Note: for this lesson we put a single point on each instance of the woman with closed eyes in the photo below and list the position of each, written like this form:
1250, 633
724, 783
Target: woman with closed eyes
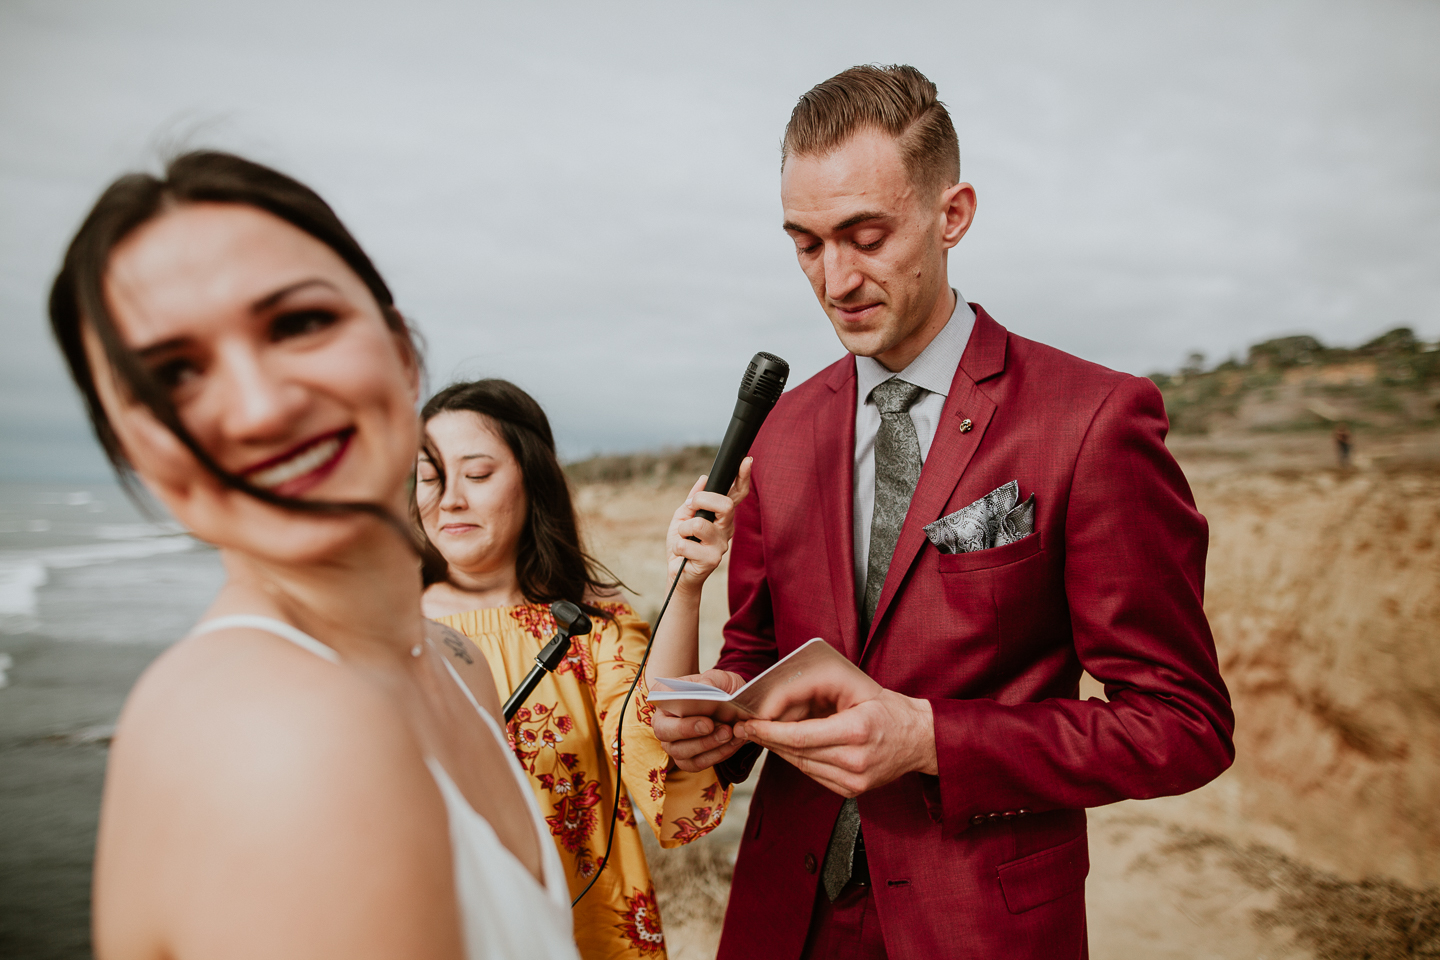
492, 499
312, 772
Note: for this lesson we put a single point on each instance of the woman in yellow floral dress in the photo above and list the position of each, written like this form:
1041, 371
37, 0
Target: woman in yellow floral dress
493, 502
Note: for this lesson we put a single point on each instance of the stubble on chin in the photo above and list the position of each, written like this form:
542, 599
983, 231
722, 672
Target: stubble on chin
862, 343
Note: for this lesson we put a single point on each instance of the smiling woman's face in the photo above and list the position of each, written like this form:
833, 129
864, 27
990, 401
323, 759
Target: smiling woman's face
279, 363
477, 520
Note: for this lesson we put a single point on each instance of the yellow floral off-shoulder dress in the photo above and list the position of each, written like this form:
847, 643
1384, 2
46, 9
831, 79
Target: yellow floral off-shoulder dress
565, 737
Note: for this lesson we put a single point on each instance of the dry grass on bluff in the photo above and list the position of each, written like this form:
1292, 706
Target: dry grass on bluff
1296, 383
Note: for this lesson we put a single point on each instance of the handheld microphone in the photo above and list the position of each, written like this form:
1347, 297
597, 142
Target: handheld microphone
569, 622
760, 388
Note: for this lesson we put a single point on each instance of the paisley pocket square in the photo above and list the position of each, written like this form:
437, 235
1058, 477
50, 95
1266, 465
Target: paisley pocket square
994, 520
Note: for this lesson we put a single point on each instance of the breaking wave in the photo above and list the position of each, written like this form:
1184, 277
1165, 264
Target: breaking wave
24, 572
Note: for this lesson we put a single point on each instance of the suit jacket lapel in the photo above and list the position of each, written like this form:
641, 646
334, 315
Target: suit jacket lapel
950, 453
834, 434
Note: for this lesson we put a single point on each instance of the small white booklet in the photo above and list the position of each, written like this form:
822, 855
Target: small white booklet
815, 680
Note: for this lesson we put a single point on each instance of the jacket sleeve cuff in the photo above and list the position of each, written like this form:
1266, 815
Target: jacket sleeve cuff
736, 768
963, 795
944, 792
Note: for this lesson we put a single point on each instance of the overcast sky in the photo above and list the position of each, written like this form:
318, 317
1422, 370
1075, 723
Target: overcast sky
584, 197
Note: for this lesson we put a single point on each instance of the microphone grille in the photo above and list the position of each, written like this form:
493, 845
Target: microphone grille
764, 379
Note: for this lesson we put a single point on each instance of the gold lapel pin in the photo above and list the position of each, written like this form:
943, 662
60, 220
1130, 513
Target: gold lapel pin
965, 425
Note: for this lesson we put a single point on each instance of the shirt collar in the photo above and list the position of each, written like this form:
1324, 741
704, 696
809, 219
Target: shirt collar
934, 369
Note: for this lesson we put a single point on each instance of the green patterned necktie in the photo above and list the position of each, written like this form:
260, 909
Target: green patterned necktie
897, 471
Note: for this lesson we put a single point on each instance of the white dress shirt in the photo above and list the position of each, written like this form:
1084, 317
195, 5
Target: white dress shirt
932, 370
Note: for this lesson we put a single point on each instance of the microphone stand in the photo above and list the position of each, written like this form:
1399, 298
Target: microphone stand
570, 622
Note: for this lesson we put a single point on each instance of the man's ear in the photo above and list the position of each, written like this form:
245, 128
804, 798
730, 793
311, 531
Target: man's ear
957, 206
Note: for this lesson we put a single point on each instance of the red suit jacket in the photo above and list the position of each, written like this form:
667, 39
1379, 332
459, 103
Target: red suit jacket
987, 860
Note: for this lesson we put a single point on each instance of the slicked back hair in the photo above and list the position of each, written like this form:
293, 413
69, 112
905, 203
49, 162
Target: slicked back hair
898, 100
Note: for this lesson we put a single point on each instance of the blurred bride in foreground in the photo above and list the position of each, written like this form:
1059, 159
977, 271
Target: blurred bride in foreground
310, 773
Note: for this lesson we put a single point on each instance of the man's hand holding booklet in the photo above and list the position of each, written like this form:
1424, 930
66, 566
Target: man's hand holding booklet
814, 681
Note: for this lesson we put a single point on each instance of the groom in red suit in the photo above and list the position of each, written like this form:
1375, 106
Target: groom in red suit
974, 518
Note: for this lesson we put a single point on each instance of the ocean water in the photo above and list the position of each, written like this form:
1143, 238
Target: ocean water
83, 563
91, 591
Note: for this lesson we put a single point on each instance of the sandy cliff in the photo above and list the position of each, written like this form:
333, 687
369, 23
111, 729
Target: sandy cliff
1324, 595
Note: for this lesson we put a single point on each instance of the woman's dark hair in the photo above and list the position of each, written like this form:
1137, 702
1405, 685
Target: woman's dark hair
78, 295
551, 564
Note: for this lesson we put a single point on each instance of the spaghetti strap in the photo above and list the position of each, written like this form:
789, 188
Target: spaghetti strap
269, 625
490, 721
550, 865
505, 913
464, 687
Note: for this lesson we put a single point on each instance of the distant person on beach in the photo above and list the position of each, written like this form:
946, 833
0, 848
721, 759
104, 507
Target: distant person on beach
1342, 444
314, 771
494, 502
974, 519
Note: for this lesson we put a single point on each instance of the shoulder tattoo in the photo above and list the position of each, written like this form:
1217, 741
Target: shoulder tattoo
453, 639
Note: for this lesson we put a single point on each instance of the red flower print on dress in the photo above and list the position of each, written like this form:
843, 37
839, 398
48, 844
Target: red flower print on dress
656, 776
618, 662
579, 661
536, 620
626, 812
574, 818
695, 826
537, 728
640, 923
645, 711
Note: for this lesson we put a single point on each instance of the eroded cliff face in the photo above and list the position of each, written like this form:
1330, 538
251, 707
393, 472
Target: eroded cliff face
1324, 594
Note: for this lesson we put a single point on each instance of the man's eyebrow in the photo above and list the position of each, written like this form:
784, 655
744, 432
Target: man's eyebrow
845, 224
270, 299
858, 219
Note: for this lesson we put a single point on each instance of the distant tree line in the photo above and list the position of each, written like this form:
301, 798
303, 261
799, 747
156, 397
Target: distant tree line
1391, 382
679, 465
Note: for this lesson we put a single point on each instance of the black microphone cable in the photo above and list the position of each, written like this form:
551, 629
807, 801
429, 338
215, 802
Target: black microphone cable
759, 391
620, 734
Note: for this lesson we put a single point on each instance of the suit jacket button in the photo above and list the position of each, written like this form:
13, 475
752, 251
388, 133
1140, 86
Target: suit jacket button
1022, 812
978, 819
1010, 814
965, 425
994, 816
809, 863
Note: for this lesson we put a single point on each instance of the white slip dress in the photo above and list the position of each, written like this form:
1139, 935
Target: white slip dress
505, 913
